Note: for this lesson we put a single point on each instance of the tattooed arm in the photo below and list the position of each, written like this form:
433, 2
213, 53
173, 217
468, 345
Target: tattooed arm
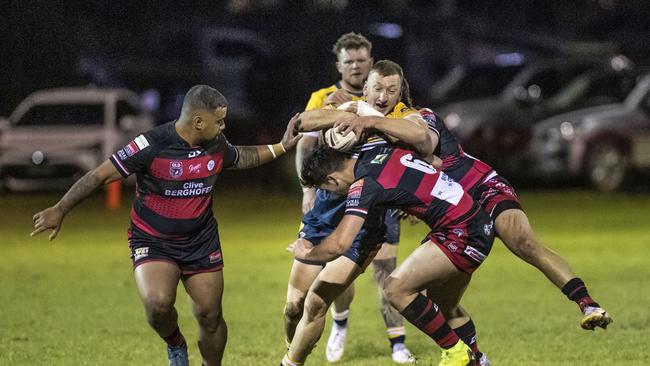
256, 155
52, 217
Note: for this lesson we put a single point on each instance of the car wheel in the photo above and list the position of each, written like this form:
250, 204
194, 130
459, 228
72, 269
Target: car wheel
607, 166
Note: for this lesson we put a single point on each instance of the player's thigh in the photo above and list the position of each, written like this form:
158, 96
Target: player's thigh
425, 266
512, 226
335, 278
206, 291
387, 251
157, 281
301, 278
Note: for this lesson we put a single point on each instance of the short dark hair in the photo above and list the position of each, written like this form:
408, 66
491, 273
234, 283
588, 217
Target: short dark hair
351, 41
322, 161
388, 68
204, 97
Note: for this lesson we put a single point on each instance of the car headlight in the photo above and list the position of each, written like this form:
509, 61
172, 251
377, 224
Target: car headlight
566, 130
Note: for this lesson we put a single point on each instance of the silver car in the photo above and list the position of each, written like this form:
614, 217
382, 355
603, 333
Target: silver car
601, 144
56, 135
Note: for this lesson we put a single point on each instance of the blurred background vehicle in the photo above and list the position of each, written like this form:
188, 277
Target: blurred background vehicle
498, 129
603, 145
56, 135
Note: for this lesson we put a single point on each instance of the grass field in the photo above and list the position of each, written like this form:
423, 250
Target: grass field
73, 301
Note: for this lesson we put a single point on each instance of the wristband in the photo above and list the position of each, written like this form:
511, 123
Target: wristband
272, 152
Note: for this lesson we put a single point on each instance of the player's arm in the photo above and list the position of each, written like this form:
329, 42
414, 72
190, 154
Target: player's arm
306, 145
335, 244
52, 217
320, 119
411, 130
250, 156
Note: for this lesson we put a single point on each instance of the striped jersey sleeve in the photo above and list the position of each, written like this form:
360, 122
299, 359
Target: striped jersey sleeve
133, 157
362, 196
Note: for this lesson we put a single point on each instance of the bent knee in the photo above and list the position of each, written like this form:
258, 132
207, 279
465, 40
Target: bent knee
158, 306
208, 318
315, 307
293, 310
393, 291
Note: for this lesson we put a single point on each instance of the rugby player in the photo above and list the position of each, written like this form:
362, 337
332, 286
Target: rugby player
173, 234
460, 239
353, 54
386, 86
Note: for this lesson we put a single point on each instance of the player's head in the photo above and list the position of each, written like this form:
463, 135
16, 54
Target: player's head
206, 110
386, 86
327, 169
353, 60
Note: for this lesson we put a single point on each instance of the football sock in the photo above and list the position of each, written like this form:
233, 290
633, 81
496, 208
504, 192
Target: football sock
286, 361
175, 339
396, 335
425, 315
576, 291
341, 319
467, 332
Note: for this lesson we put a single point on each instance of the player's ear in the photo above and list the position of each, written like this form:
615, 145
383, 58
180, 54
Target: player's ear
197, 121
338, 67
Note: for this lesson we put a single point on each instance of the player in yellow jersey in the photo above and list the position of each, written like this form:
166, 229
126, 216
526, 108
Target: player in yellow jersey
404, 125
353, 63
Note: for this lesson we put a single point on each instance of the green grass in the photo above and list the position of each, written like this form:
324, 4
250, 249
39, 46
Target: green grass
73, 301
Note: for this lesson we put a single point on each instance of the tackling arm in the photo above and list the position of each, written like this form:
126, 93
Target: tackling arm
335, 244
320, 119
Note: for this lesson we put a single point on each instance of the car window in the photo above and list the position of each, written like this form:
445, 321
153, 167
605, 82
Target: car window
550, 80
63, 115
475, 82
591, 89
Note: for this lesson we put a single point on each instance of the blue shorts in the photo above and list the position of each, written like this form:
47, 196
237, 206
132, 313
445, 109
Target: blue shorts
326, 214
392, 228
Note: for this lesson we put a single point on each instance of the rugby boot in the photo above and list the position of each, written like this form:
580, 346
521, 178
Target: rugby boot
595, 317
483, 360
458, 355
336, 343
401, 354
178, 356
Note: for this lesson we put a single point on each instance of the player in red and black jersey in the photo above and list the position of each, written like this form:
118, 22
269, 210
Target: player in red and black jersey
460, 239
173, 233
499, 198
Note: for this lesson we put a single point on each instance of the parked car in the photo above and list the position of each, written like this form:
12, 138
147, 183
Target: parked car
56, 135
498, 129
602, 144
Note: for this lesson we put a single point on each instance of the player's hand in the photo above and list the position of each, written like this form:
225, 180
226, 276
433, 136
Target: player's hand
357, 125
50, 218
301, 248
338, 97
291, 135
308, 199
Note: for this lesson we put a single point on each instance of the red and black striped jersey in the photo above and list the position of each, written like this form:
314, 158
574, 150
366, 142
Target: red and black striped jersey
174, 181
465, 169
395, 178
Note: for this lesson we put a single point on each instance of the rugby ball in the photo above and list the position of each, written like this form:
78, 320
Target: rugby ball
334, 139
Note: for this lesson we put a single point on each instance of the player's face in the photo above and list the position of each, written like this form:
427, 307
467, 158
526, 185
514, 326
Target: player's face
354, 66
383, 92
214, 123
336, 183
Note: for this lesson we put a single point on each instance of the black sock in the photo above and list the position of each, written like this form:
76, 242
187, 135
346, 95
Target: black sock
467, 332
425, 315
576, 291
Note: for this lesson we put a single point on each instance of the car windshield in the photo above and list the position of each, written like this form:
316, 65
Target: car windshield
63, 115
476, 82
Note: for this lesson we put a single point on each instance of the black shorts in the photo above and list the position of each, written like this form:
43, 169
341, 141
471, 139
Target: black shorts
200, 253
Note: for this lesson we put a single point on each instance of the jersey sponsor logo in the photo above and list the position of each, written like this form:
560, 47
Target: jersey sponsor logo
459, 232
453, 247
215, 257
140, 253
379, 159
210, 165
189, 189
175, 168
122, 154
141, 142
195, 168
354, 193
474, 254
194, 154
131, 148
